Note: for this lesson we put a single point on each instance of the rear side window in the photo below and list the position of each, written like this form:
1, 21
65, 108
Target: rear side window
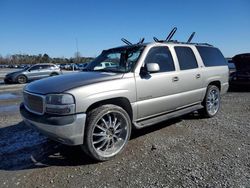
211, 56
162, 56
186, 58
46, 66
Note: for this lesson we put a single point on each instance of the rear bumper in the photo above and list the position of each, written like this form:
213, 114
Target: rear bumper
68, 130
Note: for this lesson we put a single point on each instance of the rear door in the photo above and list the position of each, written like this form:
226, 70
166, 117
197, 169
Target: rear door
46, 71
190, 77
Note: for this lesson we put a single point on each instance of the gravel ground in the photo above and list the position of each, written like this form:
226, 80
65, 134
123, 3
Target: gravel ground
184, 152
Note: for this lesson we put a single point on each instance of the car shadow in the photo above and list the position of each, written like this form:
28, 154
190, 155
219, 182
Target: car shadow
24, 148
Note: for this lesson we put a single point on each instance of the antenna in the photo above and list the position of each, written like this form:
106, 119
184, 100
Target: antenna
191, 37
126, 41
171, 34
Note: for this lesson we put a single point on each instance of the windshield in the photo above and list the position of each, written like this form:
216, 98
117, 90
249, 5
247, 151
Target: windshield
26, 67
116, 60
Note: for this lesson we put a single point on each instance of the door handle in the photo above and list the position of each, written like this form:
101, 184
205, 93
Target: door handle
175, 79
197, 76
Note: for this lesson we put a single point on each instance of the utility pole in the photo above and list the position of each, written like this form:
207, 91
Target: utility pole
77, 53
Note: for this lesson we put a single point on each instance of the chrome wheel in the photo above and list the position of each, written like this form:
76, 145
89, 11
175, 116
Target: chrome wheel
110, 134
213, 101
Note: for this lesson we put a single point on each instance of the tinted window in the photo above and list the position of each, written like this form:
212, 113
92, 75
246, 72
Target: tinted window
162, 56
36, 67
46, 66
211, 56
186, 58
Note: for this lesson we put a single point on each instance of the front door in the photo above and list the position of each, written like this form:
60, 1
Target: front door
157, 92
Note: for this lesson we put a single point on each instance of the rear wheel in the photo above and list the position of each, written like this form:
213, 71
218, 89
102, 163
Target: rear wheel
107, 132
54, 74
211, 102
21, 79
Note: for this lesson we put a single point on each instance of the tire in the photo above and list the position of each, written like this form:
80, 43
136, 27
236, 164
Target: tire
211, 102
21, 79
53, 74
107, 132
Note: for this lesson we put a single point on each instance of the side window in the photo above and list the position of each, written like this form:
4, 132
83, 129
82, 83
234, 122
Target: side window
186, 58
36, 67
46, 66
211, 56
162, 56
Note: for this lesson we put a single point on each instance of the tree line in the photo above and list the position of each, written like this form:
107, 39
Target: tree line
19, 59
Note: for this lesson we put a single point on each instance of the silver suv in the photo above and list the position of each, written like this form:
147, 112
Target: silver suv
146, 84
34, 72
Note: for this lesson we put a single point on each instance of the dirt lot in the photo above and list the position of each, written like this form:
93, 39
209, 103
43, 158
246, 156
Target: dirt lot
184, 152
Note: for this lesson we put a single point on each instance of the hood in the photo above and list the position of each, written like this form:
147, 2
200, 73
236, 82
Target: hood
16, 72
61, 83
242, 62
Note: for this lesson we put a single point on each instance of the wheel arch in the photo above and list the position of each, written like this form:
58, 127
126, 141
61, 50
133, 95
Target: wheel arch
216, 83
16, 78
118, 101
54, 74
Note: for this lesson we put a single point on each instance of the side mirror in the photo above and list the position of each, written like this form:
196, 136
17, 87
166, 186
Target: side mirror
152, 67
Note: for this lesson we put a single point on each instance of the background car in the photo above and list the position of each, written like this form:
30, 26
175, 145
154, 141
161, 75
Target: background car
241, 77
34, 72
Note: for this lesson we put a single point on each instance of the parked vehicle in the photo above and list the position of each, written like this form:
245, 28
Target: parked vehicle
241, 77
231, 65
34, 72
146, 84
82, 66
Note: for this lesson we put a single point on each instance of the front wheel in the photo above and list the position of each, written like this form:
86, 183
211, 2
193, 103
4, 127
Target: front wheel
211, 102
107, 132
21, 79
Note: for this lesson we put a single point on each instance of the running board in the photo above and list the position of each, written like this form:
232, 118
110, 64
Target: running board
170, 115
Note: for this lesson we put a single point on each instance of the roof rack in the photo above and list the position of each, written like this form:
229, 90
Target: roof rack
130, 43
171, 34
169, 37
191, 37
167, 40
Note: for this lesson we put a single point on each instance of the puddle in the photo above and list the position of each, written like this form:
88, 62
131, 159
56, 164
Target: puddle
6, 96
9, 108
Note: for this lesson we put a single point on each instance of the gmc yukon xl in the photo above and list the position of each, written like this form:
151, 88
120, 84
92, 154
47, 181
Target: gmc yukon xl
146, 84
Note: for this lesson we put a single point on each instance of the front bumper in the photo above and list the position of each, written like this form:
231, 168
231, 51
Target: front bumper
8, 80
68, 130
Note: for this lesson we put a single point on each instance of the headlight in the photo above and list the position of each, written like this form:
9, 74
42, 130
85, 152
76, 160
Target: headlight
62, 104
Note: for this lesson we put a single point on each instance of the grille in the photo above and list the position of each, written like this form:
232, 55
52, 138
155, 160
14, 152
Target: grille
34, 103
